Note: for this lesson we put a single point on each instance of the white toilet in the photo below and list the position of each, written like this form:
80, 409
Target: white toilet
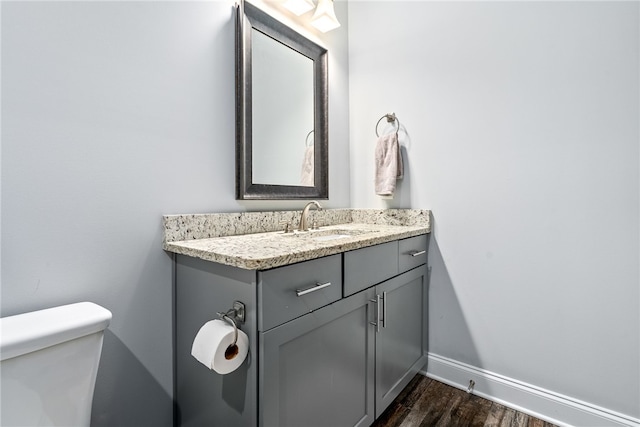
48, 365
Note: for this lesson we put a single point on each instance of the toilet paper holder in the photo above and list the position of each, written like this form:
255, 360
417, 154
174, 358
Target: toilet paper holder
234, 316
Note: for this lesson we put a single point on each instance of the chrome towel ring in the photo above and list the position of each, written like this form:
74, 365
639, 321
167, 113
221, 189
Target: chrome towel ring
391, 117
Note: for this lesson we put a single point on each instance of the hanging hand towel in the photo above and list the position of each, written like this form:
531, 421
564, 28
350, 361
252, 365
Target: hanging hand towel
306, 176
388, 162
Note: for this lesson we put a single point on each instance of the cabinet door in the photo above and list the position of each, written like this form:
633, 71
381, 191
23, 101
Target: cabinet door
401, 342
318, 369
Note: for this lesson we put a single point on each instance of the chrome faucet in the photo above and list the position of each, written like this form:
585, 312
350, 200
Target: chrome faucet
305, 212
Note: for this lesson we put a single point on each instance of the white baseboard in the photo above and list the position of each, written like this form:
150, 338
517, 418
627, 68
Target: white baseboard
543, 404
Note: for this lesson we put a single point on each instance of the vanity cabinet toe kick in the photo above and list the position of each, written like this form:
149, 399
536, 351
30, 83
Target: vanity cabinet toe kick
324, 337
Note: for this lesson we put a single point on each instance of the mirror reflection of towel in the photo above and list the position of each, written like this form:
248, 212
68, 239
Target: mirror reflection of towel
388, 162
306, 176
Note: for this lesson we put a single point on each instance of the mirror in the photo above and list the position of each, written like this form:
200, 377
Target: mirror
281, 110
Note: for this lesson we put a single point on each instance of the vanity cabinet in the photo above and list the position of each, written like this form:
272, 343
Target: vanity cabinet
332, 340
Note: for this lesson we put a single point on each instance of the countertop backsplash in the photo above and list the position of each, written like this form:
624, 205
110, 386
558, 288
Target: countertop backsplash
204, 226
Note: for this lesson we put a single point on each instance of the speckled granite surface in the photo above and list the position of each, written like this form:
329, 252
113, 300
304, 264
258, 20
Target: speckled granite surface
203, 226
254, 240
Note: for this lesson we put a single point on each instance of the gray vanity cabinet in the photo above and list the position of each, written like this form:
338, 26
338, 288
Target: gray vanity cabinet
321, 354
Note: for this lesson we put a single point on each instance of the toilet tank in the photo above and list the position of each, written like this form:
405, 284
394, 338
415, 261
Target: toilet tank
48, 365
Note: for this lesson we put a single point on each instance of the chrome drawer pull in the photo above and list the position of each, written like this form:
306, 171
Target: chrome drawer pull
384, 309
418, 253
376, 301
317, 287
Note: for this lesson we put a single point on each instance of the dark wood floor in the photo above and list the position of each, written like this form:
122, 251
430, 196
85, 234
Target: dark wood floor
426, 402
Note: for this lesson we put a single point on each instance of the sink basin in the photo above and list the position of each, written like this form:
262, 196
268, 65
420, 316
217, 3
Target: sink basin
327, 234
330, 237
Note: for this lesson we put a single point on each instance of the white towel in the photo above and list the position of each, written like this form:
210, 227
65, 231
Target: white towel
388, 162
306, 176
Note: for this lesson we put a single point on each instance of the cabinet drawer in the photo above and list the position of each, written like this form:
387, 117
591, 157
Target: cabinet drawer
412, 252
288, 292
368, 266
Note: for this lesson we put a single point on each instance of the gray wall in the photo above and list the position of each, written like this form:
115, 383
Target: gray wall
522, 126
113, 114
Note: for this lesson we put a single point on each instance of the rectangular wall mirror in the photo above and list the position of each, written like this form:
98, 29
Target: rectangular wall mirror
281, 110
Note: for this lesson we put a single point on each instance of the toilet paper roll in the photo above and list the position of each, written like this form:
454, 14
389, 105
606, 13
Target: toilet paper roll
211, 347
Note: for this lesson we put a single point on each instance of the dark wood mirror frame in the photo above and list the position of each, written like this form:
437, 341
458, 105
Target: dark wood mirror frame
249, 17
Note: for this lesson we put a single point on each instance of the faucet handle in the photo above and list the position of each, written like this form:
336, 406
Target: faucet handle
288, 227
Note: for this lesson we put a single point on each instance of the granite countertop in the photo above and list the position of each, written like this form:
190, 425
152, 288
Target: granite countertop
248, 240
